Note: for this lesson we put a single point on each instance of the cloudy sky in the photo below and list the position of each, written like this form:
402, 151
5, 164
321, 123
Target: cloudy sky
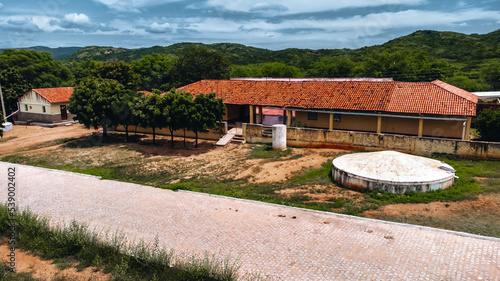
275, 24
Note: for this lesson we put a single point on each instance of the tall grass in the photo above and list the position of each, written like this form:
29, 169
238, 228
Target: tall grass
111, 253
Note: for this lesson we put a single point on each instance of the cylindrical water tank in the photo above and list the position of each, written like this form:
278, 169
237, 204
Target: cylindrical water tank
279, 137
7, 126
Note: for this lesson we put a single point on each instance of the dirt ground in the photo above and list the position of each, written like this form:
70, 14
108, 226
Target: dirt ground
232, 162
47, 270
22, 137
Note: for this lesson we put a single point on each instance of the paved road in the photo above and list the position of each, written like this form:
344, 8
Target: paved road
279, 242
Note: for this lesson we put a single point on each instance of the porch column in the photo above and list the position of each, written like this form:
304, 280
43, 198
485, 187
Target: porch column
467, 129
420, 127
261, 116
289, 118
379, 125
252, 112
331, 121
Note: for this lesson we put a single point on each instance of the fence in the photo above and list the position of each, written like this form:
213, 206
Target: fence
306, 137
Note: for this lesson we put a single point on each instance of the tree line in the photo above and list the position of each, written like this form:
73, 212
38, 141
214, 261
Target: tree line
108, 103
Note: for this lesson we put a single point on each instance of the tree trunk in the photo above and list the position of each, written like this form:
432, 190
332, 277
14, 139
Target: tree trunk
154, 139
184, 137
172, 137
196, 142
126, 132
105, 131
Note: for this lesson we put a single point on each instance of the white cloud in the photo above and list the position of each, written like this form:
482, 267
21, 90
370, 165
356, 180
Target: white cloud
299, 6
1, 5
80, 19
132, 6
159, 28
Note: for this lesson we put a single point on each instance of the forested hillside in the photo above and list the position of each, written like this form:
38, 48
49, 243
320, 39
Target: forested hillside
471, 62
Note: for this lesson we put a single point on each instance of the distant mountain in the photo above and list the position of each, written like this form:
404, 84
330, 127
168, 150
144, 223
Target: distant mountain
57, 53
445, 45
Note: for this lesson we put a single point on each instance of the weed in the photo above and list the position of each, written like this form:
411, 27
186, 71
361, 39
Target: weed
265, 151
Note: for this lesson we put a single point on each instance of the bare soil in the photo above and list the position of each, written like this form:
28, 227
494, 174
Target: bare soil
47, 270
22, 137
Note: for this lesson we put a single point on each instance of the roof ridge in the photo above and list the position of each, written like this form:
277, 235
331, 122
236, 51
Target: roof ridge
456, 91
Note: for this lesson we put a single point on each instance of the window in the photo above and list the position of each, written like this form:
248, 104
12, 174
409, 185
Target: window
43, 109
25, 107
312, 116
337, 117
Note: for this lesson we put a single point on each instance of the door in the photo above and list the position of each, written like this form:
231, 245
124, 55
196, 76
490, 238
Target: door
64, 113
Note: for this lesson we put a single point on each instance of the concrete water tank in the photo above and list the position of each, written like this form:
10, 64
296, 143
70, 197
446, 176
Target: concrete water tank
392, 172
279, 137
7, 126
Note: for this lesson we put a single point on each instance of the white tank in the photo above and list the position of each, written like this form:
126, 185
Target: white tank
7, 126
392, 171
279, 137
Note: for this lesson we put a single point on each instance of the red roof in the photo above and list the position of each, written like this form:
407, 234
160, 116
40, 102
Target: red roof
434, 98
54, 95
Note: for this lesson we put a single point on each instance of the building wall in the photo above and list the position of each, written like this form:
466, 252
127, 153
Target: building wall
35, 105
213, 134
232, 112
306, 137
443, 128
347, 121
404, 126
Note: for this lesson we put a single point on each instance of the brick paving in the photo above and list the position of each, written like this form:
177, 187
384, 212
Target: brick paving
277, 242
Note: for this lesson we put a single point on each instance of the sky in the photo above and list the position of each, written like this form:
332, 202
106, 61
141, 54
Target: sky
275, 24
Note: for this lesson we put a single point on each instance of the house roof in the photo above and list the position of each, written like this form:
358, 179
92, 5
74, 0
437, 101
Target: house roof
54, 95
433, 98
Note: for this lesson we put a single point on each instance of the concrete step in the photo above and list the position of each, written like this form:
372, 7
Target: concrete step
239, 139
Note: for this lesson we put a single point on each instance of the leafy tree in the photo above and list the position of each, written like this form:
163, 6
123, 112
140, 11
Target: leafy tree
467, 83
155, 71
119, 71
198, 62
122, 110
83, 69
182, 104
205, 114
151, 112
22, 70
94, 102
333, 67
488, 125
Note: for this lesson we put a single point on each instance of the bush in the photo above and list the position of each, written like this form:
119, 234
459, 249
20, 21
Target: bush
488, 125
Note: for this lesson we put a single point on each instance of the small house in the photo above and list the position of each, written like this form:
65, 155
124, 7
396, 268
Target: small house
49, 105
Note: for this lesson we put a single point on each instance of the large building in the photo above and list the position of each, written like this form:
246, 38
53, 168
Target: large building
434, 109
49, 105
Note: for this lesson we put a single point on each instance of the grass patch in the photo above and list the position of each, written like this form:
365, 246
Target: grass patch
112, 254
265, 151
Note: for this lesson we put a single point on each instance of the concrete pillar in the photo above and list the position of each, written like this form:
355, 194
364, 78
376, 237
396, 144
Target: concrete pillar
331, 121
252, 112
279, 137
261, 116
420, 127
466, 134
284, 117
379, 125
289, 118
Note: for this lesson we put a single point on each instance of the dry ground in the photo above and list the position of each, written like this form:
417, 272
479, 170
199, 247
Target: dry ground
161, 165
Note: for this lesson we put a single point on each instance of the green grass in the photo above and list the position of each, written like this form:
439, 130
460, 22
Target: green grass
265, 151
114, 254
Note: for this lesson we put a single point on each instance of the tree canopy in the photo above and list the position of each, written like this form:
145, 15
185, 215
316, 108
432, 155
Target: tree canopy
488, 125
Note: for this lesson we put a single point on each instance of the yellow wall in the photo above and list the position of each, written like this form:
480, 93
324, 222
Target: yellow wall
348, 122
443, 128
396, 125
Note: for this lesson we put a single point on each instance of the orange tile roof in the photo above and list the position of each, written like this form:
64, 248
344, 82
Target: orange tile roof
432, 98
54, 95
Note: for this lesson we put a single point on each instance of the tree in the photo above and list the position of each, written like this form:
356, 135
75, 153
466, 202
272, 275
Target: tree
151, 112
180, 105
94, 102
488, 125
122, 110
1, 124
155, 71
206, 112
119, 71
198, 62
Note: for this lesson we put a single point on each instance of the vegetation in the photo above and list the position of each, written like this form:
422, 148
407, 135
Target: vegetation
206, 113
110, 253
487, 125
1, 124
94, 102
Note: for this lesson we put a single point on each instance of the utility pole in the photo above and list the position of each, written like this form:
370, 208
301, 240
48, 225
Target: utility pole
3, 106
